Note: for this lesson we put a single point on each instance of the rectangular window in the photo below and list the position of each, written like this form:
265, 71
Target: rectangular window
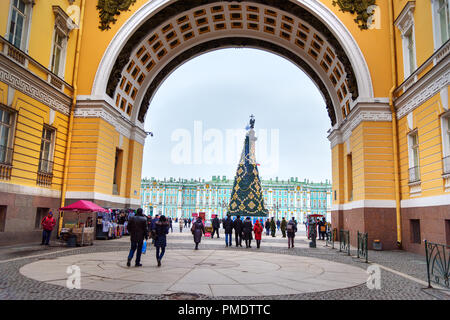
2, 218
447, 232
17, 23
117, 171
40, 214
446, 144
411, 52
46, 154
350, 177
58, 54
415, 231
6, 130
441, 22
414, 168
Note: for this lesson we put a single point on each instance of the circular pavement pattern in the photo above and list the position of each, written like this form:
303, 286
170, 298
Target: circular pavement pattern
211, 272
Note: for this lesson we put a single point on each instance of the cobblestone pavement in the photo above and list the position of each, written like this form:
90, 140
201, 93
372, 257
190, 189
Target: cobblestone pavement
13, 285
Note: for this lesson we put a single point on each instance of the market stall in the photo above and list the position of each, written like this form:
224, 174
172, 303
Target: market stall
112, 224
78, 222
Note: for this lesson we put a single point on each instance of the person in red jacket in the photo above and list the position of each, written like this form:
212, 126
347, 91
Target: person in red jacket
48, 223
258, 229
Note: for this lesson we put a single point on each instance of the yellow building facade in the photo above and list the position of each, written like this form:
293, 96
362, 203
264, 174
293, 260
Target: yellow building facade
77, 78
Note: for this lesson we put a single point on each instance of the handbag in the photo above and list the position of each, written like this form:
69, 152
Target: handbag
144, 247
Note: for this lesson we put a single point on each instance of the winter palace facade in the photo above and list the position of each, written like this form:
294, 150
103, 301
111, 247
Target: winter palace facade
283, 198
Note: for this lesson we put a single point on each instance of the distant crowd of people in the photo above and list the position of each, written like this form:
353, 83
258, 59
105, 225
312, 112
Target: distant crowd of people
142, 228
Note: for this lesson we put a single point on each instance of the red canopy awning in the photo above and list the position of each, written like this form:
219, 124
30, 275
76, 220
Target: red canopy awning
85, 206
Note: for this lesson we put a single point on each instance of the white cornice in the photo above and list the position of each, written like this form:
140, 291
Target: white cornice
425, 88
101, 197
376, 110
101, 109
406, 18
364, 204
27, 190
20, 79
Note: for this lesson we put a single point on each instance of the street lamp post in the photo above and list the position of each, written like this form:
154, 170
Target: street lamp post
276, 206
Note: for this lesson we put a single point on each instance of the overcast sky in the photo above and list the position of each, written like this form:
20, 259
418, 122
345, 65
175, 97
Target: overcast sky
199, 114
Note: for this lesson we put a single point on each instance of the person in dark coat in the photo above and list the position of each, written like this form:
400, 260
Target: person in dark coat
247, 229
320, 224
278, 224
291, 230
283, 227
161, 229
138, 229
170, 224
198, 229
185, 222
273, 227
258, 229
228, 226
267, 225
237, 226
216, 226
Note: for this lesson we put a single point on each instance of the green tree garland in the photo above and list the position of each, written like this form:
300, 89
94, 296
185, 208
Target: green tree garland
359, 7
111, 8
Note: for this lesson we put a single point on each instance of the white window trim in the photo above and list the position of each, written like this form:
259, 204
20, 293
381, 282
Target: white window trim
405, 24
436, 27
445, 139
62, 66
27, 26
411, 154
12, 135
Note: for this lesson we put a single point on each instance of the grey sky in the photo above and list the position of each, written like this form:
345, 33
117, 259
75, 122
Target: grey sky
220, 90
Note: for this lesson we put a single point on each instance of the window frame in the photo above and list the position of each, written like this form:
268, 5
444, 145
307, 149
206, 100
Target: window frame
24, 42
437, 32
12, 131
51, 149
411, 154
63, 55
405, 24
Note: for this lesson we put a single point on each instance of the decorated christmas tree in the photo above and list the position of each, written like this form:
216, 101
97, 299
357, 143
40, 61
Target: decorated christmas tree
246, 195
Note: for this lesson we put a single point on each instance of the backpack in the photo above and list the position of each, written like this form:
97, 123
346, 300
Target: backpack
290, 227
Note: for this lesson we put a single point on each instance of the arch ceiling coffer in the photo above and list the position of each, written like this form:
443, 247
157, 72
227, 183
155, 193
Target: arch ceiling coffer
187, 28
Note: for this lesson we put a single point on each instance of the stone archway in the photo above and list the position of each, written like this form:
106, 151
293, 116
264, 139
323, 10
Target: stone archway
162, 35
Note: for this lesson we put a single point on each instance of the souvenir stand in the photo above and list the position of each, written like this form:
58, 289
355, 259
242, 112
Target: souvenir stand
110, 225
78, 221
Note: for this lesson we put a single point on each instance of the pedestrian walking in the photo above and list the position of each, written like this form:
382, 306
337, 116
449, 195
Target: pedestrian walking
283, 227
181, 223
137, 227
189, 222
291, 230
185, 222
258, 229
272, 227
228, 226
247, 229
278, 224
267, 225
216, 226
48, 223
238, 228
198, 230
170, 224
161, 229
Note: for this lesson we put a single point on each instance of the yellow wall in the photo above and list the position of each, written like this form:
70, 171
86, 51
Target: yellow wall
423, 28
427, 121
31, 117
91, 166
